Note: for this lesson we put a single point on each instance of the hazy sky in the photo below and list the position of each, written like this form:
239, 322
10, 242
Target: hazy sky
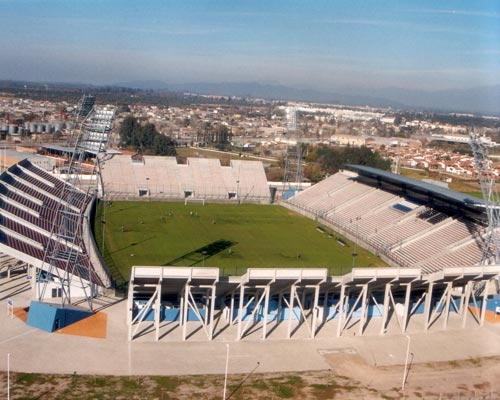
319, 44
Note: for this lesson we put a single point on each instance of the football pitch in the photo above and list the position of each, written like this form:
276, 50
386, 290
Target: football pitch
230, 237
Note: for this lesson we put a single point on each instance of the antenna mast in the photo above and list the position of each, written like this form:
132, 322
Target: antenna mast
491, 199
292, 177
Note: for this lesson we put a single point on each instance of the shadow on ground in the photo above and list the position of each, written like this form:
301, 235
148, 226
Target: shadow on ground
198, 256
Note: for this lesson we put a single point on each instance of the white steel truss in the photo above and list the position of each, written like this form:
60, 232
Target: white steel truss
310, 298
152, 283
65, 261
487, 180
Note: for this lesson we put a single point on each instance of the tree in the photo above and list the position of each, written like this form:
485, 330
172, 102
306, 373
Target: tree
127, 131
123, 108
163, 146
332, 159
145, 138
312, 172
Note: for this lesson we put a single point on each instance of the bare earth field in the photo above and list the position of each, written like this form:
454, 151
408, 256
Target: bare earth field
349, 378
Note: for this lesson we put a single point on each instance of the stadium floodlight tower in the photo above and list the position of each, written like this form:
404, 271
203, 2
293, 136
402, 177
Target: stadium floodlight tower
64, 261
292, 176
491, 249
83, 108
86, 105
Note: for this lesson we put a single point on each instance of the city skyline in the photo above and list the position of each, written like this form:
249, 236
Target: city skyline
321, 45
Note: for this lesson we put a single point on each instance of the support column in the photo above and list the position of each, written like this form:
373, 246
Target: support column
341, 310
386, 308
181, 308
33, 274
446, 310
206, 306
280, 300
266, 311
130, 302
406, 315
302, 302
291, 311
212, 311
157, 311
362, 319
483, 305
325, 307
130, 308
465, 304
231, 309
185, 311
240, 310
428, 306
315, 311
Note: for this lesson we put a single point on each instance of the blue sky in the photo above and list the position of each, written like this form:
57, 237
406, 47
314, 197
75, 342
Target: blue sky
326, 45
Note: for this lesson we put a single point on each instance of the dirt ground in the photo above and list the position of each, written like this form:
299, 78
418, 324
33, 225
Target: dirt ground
349, 378
473, 378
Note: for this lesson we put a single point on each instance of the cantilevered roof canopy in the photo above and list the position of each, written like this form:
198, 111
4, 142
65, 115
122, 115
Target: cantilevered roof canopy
423, 187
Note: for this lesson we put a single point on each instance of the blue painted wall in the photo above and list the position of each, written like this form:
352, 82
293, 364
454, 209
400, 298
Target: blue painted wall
52, 317
167, 314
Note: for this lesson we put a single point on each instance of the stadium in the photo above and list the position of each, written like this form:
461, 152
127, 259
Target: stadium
143, 265
199, 252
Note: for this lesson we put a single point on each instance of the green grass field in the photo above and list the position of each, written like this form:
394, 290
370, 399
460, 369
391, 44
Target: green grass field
231, 237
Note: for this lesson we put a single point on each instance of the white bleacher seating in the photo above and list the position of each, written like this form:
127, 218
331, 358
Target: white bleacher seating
155, 177
407, 233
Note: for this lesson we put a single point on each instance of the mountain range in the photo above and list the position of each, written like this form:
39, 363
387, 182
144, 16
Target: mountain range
482, 100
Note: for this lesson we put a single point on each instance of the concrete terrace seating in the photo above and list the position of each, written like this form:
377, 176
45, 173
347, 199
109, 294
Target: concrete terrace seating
358, 206
406, 233
29, 220
317, 197
469, 254
401, 229
434, 242
376, 221
137, 177
162, 175
325, 203
250, 179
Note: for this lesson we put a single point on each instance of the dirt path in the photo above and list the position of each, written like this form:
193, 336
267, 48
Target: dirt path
472, 377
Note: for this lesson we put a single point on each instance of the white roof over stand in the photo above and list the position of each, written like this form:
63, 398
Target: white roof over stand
295, 274
181, 273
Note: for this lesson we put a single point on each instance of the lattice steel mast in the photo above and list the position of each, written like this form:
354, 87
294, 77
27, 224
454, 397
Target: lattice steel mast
491, 199
64, 256
83, 109
293, 158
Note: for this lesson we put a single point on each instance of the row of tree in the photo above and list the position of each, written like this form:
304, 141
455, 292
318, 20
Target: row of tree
144, 138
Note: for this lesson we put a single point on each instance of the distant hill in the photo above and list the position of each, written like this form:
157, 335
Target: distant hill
482, 100
263, 91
